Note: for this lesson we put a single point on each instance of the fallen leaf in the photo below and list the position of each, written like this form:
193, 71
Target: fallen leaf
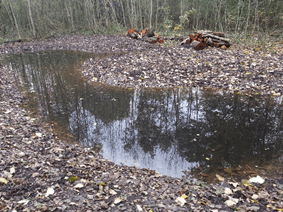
139, 208
112, 192
234, 184
228, 191
79, 185
184, 196
117, 200
12, 170
72, 179
39, 135
24, 201
180, 201
3, 180
49, 191
231, 202
220, 178
255, 196
256, 179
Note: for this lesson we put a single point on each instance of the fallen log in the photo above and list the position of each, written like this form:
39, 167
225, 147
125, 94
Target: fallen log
132, 35
198, 45
186, 41
154, 39
216, 37
200, 41
203, 32
220, 34
145, 35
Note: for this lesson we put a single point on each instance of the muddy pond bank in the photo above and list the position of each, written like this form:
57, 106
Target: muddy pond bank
81, 179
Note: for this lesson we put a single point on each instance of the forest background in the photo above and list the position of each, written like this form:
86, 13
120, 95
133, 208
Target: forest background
46, 18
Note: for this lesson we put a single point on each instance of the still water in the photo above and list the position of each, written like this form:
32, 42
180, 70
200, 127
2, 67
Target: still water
167, 130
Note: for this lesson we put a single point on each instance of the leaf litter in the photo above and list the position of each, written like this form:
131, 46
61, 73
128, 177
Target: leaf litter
40, 172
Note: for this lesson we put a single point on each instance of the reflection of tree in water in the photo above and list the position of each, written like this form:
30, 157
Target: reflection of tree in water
150, 128
229, 129
189, 124
53, 78
244, 127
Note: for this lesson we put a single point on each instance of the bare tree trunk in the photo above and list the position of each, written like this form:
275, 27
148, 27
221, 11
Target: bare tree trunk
123, 12
140, 15
237, 28
156, 14
11, 18
71, 16
132, 16
150, 17
181, 8
114, 12
248, 17
30, 16
15, 20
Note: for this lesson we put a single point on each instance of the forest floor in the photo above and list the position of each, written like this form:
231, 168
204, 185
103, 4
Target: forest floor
40, 172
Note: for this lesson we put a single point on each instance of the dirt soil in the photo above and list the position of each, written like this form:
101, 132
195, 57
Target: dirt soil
40, 172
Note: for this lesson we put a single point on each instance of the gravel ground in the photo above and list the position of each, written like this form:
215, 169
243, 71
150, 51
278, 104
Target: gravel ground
40, 172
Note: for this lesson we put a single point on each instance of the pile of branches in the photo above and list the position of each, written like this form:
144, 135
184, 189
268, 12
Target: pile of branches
202, 39
145, 35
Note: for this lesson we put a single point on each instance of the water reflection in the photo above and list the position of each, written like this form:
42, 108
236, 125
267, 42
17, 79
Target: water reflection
166, 130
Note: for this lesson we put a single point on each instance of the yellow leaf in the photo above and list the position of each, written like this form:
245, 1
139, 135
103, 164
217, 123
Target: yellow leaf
207, 158
246, 183
3, 180
102, 183
72, 179
184, 196
220, 178
150, 210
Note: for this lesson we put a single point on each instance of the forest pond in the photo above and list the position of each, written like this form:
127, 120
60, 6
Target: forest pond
167, 130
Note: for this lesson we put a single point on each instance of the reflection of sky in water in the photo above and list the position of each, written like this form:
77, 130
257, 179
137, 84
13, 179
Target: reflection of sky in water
157, 130
112, 137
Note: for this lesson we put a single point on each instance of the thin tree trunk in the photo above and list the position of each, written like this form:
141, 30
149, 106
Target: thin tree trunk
71, 16
248, 17
11, 18
15, 20
156, 15
95, 23
113, 10
31, 19
150, 17
181, 7
141, 15
123, 12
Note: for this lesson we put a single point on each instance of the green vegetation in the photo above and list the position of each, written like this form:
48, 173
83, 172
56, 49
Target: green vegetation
45, 18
